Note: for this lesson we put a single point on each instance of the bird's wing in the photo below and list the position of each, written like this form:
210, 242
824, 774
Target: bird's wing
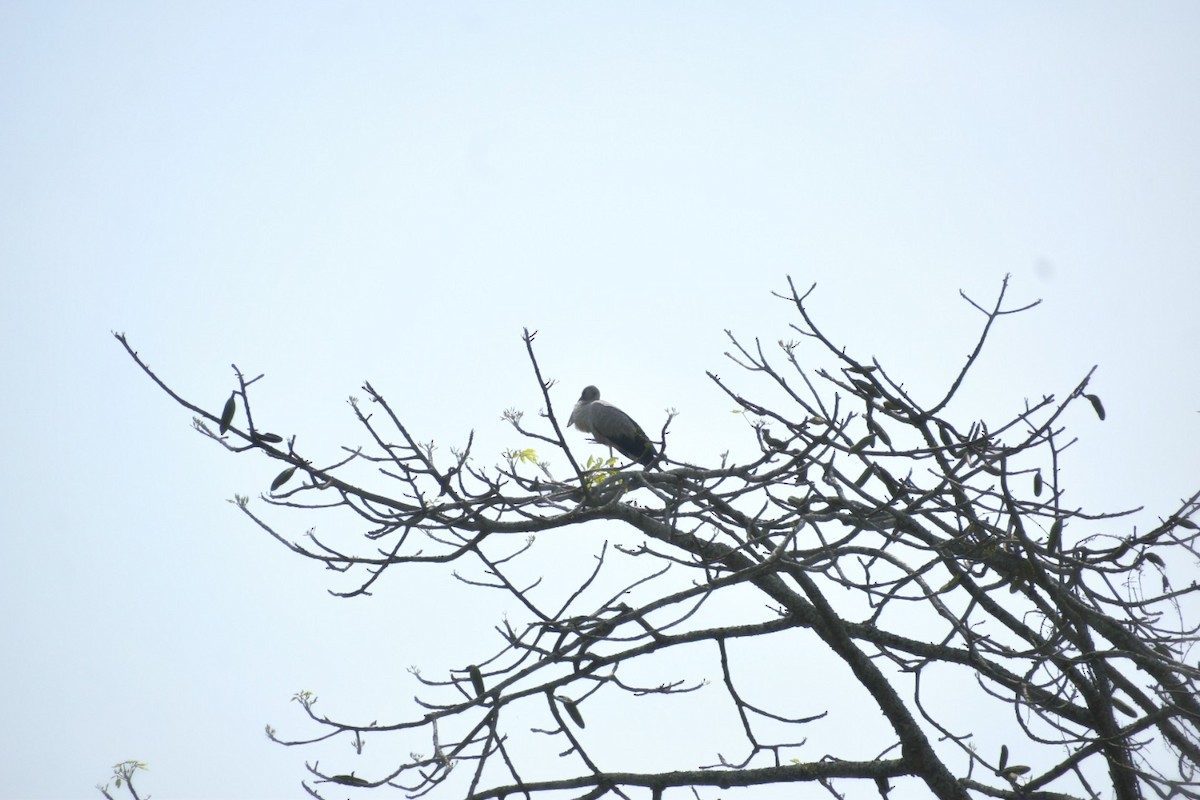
613, 427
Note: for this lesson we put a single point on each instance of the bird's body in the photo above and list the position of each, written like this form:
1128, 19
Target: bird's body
611, 426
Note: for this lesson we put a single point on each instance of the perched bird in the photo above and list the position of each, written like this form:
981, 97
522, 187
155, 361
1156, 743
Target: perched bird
611, 426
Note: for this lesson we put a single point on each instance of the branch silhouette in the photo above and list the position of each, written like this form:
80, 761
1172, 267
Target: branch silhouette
911, 547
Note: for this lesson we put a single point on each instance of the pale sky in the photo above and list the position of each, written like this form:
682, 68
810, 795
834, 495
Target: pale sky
332, 193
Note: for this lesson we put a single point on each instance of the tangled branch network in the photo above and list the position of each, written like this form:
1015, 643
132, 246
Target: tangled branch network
882, 596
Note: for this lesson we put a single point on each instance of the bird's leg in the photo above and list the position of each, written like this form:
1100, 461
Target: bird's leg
609, 446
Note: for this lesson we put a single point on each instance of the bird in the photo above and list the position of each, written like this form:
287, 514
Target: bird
611, 426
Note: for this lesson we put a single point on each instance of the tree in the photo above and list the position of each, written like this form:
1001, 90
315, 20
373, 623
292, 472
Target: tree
1006, 644
123, 777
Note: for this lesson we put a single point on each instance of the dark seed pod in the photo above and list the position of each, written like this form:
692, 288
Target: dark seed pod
955, 580
269, 438
1123, 707
1054, 540
227, 413
283, 478
878, 430
476, 679
1097, 405
863, 443
572, 711
867, 388
799, 503
772, 442
866, 476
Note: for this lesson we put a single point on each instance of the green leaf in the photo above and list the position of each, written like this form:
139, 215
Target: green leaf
227, 413
270, 438
1097, 405
1037, 483
1003, 757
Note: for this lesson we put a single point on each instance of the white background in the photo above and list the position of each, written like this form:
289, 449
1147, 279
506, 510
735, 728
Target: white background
329, 193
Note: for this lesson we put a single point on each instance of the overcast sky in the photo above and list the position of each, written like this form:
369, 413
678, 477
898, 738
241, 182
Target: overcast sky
338, 192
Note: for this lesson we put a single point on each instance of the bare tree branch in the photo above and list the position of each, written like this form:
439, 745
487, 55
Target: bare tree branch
914, 550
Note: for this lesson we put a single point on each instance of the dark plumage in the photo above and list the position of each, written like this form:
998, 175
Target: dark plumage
611, 426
